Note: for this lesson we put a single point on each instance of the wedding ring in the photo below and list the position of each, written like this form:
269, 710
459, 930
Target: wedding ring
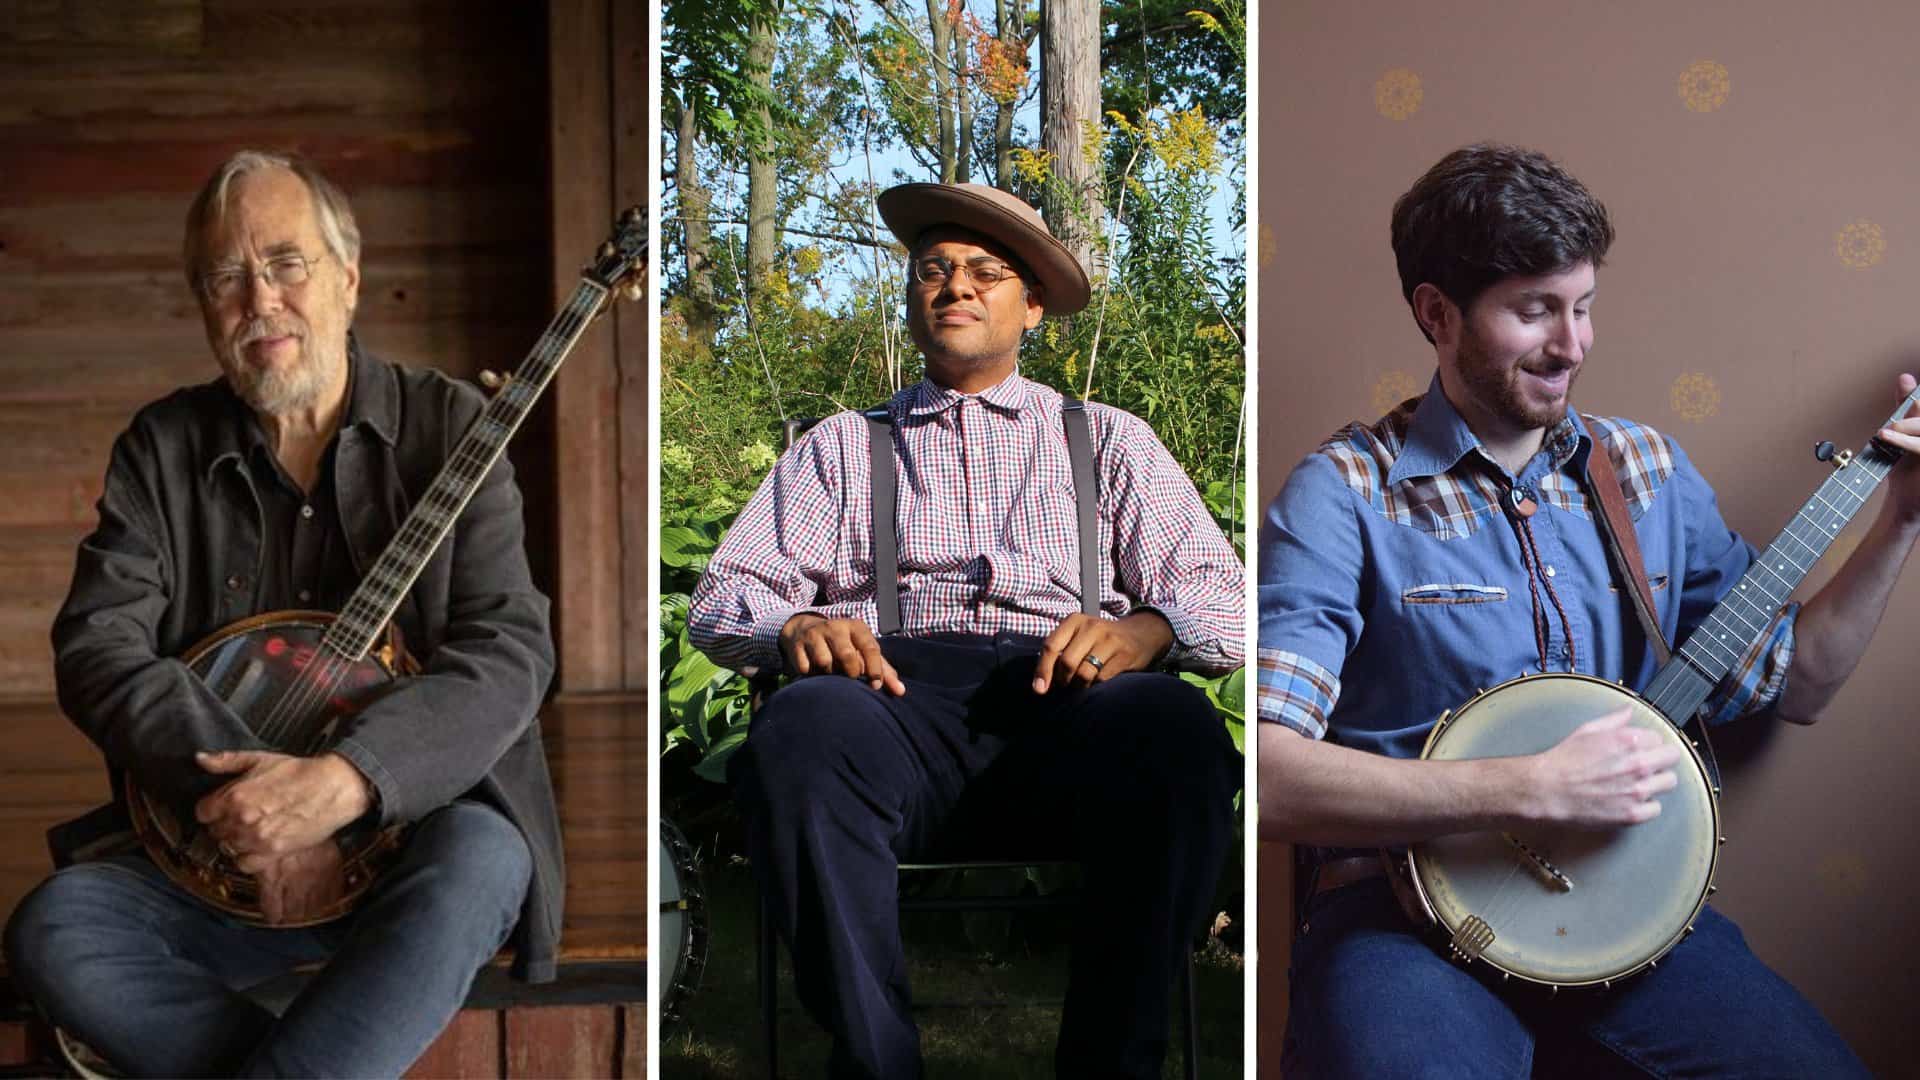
1095, 661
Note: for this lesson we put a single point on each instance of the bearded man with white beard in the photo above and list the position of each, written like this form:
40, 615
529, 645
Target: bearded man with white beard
273, 488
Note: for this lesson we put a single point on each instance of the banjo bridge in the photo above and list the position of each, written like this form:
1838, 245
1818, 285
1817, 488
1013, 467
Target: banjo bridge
1539, 865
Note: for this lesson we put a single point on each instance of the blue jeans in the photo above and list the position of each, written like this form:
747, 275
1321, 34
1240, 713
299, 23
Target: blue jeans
152, 978
1373, 998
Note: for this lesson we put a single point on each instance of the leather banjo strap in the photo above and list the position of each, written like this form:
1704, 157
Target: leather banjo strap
1616, 526
1624, 545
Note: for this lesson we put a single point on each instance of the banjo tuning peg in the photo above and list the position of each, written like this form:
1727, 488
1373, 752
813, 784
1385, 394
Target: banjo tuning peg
1823, 450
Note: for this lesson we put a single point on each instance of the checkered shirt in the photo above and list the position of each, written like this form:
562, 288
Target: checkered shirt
1392, 587
988, 539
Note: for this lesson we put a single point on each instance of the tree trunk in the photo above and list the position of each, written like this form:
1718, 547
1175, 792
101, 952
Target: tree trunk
963, 103
762, 170
696, 203
1069, 100
1007, 18
943, 84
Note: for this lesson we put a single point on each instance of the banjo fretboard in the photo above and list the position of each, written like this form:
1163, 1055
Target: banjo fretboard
1743, 615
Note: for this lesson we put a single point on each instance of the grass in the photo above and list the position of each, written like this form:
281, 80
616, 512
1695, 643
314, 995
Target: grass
986, 989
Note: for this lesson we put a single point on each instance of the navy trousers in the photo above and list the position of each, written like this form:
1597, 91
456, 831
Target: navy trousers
840, 783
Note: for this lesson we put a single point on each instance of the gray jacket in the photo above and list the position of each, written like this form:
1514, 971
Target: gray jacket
177, 555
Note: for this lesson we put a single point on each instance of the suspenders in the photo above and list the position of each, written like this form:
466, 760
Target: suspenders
886, 541
886, 545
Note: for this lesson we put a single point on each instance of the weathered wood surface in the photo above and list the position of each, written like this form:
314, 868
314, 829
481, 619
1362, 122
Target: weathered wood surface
633, 179
587, 420
600, 166
469, 1047
430, 113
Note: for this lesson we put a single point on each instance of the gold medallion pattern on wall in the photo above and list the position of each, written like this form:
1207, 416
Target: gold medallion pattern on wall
1398, 94
1860, 244
1268, 246
1704, 86
1393, 388
1695, 396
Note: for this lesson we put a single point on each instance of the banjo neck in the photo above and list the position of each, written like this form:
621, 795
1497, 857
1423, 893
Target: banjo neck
367, 612
1743, 615
379, 595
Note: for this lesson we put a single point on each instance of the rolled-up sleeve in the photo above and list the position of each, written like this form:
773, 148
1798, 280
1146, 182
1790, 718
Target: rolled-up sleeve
1310, 565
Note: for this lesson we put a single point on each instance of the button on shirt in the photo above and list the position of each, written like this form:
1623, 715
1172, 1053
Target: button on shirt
1393, 587
988, 541
304, 559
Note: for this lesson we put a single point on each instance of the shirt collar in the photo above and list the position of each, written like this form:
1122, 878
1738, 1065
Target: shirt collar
1438, 437
1009, 395
373, 394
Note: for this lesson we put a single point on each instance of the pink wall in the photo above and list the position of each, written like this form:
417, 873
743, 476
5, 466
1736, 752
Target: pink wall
1758, 159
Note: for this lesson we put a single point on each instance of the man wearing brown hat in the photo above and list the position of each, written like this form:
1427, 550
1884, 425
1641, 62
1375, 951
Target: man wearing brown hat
987, 692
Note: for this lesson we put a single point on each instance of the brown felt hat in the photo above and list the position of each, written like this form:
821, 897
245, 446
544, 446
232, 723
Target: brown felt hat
912, 209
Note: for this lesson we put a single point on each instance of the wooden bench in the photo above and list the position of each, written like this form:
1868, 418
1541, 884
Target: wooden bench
591, 1021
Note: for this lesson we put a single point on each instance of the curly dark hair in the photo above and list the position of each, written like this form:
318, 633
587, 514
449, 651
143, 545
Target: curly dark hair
1487, 212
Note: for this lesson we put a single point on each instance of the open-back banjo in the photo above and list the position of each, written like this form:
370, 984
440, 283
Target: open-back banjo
293, 676
1569, 907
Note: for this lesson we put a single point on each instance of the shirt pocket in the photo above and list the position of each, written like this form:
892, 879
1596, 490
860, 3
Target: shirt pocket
1452, 594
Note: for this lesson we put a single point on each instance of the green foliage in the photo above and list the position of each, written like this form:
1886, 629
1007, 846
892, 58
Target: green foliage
704, 705
1175, 54
703, 61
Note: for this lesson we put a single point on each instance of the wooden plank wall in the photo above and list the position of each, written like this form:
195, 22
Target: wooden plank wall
431, 113
599, 120
481, 187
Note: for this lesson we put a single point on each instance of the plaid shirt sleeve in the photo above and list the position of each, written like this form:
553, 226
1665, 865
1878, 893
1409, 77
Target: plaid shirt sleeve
1309, 585
1755, 682
1716, 560
1169, 553
783, 554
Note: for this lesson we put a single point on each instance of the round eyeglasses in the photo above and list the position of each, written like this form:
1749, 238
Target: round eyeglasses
986, 273
284, 272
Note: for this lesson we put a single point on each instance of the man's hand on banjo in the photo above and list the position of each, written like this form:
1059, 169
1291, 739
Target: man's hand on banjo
279, 803
1604, 775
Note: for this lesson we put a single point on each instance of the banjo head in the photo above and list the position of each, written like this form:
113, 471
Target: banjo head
260, 667
683, 922
1563, 906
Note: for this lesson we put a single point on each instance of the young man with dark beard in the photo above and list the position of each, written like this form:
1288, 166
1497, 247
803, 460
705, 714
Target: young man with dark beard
1452, 546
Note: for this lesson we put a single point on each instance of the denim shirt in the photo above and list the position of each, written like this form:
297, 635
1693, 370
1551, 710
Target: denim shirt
179, 552
1393, 585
